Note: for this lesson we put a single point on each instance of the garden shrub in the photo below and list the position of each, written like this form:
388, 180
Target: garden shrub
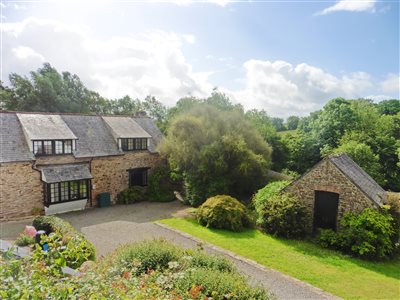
132, 195
283, 215
80, 249
369, 234
223, 212
117, 277
148, 255
200, 259
24, 240
161, 186
217, 285
262, 196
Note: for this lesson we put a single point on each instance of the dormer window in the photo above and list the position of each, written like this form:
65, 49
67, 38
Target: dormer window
49, 147
132, 144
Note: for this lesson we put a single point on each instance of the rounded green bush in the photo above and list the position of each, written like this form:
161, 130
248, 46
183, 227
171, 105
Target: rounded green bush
283, 215
223, 212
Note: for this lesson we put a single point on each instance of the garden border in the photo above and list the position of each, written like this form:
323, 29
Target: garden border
320, 292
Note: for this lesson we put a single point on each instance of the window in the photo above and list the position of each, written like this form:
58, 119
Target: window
138, 177
47, 147
67, 191
134, 144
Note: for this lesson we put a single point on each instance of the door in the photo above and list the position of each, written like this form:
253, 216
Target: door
325, 210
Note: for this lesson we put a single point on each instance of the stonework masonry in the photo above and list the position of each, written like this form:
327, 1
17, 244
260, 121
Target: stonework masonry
110, 174
21, 188
21, 191
327, 177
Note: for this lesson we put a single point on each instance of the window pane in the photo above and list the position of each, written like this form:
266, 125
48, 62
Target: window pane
37, 147
47, 147
83, 189
144, 144
59, 147
74, 190
64, 191
68, 146
54, 194
130, 144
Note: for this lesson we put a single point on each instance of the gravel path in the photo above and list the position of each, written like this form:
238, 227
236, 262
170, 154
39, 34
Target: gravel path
108, 228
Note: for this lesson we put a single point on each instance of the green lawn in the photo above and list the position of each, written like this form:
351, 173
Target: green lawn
338, 274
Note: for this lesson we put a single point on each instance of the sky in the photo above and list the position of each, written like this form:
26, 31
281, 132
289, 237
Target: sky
286, 57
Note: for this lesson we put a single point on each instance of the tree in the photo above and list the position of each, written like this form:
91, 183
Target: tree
336, 117
292, 122
303, 151
389, 107
216, 152
263, 123
362, 154
278, 124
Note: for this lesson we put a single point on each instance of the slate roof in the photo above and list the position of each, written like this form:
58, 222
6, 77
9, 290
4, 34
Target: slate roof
13, 146
149, 125
359, 177
94, 137
125, 127
51, 174
45, 127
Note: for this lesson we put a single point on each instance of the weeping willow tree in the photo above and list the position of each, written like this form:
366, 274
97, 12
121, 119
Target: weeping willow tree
216, 152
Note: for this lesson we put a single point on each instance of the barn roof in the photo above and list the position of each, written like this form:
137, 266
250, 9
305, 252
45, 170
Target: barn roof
359, 177
125, 127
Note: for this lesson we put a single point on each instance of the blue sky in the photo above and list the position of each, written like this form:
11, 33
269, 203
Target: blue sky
287, 57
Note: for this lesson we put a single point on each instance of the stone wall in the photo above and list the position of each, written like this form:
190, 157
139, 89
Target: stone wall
21, 190
327, 177
110, 174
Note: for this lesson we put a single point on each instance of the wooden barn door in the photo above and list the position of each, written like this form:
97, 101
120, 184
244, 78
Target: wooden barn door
325, 210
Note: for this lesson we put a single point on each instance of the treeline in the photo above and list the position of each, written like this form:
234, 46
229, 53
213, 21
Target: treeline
368, 132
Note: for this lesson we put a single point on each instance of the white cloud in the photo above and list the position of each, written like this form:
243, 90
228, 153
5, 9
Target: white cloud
391, 85
350, 5
285, 89
151, 63
154, 63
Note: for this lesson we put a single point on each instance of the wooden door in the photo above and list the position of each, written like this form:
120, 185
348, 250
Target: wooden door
325, 210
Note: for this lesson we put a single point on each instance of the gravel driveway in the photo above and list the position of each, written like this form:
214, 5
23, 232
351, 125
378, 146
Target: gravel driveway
110, 227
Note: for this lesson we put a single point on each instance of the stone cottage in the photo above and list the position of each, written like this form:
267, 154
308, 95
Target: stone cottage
334, 186
61, 162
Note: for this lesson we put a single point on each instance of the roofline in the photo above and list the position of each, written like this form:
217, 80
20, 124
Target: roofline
329, 159
72, 114
352, 181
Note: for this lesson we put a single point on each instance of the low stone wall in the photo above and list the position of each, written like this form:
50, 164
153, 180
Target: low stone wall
21, 191
327, 177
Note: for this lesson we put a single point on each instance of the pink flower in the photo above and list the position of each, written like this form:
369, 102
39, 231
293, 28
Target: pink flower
30, 231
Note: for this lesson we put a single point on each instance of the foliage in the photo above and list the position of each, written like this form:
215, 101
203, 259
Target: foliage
263, 123
77, 248
216, 151
368, 234
218, 285
117, 276
389, 107
24, 240
223, 211
261, 198
132, 195
283, 215
292, 122
342, 275
161, 186
363, 155
303, 151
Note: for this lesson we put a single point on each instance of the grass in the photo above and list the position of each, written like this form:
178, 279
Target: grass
329, 270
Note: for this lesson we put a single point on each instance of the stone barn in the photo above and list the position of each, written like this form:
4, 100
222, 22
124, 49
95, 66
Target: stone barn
334, 186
